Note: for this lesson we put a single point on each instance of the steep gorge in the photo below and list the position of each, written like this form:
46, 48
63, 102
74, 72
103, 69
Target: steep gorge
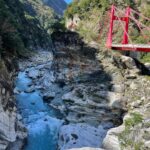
77, 89
92, 93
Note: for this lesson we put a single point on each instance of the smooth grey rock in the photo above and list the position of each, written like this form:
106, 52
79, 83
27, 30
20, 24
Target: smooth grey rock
30, 89
118, 88
3, 144
49, 95
33, 73
128, 62
111, 141
3, 91
7, 126
147, 144
147, 65
80, 135
16, 91
133, 86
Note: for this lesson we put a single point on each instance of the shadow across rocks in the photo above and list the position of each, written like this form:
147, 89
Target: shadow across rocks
91, 99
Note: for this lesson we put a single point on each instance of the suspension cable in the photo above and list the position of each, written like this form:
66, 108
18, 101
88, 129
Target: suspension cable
138, 25
124, 28
138, 22
105, 24
139, 14
135, 20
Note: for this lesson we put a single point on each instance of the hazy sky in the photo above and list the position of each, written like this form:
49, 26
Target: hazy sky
68, 1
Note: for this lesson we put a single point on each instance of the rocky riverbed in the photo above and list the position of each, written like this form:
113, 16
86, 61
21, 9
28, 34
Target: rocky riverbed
67, 113
73, 82
41, 120
77, 98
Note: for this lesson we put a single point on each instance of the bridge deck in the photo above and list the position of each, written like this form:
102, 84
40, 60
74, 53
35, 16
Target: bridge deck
132, 47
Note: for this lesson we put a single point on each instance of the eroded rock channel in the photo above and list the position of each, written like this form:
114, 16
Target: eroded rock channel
68, 98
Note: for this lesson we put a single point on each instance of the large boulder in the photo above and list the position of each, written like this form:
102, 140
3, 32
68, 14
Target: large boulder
111, 141
81, 135
128, 62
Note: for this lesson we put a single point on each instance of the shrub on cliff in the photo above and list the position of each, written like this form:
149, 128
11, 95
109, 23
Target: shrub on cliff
10, 39
35, 9
25, 25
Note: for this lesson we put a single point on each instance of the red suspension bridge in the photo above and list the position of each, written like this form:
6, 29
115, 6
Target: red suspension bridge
126, 17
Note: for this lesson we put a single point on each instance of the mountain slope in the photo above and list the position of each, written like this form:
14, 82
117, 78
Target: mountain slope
21, 29
58, 5
27, 24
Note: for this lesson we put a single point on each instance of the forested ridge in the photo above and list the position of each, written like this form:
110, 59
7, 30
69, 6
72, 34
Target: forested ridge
26, 25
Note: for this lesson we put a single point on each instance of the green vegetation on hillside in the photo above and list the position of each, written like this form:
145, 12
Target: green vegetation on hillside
35, 9
126, 138
25, 25
83, 6
95, 19
10, 39
93, 14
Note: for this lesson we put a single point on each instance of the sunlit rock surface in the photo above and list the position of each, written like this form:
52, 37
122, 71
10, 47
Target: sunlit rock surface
81, 135
10, 128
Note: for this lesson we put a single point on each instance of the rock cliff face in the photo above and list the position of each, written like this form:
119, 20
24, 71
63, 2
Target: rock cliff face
93, 101
11, 129
102, 86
